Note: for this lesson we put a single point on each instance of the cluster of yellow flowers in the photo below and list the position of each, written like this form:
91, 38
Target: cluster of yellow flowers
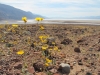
45, 46
43, 39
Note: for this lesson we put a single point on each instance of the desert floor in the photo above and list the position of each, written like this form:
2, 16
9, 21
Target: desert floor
79, 46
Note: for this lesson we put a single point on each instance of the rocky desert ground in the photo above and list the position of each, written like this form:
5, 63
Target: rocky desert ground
79, 46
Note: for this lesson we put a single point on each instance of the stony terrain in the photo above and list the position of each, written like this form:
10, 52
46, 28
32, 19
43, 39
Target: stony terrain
79, 46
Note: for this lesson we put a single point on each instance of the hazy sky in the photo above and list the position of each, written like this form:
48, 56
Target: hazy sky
58, 8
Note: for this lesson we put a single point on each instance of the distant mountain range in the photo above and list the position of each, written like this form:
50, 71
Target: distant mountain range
10, 13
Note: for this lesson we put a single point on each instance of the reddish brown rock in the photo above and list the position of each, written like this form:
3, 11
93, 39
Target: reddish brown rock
31, 70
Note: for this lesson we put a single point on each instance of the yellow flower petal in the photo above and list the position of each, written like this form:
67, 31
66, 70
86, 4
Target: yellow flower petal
20, 52
38, 19
24, 19
48, 60
46, 64
55, 48
44, 47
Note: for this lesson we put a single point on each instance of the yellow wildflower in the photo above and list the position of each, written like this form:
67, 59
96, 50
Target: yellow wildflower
48, 60
46, 64
24, 19
38, 19
55, 48
44, 47
15, 25
43, 36
20, 52
40, 37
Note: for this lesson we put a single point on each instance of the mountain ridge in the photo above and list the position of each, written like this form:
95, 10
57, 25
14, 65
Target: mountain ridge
9, 12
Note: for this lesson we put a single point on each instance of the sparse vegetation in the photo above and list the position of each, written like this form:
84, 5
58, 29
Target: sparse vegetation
28, 49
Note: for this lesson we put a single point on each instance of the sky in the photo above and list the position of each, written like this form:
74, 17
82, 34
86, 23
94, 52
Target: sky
58, 8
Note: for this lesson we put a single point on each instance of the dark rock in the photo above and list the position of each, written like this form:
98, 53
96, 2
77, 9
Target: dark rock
85, 58
88, 73
46, 53
15, 60
32, 45
99, 49
98, 73
1, 72
81, 40
51, 57
2, 62
18, 66
93, 54
92, 63
99, 41
38, 66
86, 44
66, 41
77, 50
9, 45
80, 62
